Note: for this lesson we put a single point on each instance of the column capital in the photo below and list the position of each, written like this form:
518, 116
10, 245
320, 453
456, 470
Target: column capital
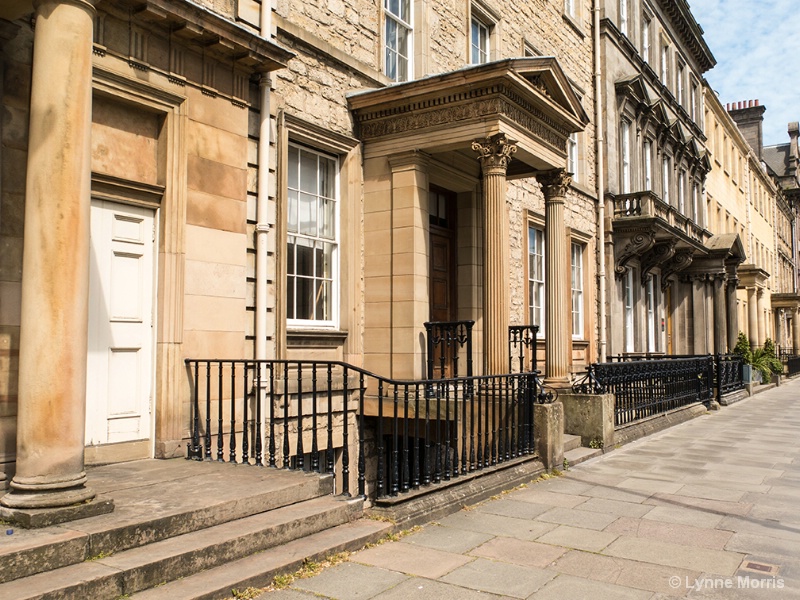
554, 183
494, 153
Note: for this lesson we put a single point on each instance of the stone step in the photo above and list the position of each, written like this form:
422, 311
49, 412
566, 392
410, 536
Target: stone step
571, 442
149, 513
147, 566
578, 455
259, 569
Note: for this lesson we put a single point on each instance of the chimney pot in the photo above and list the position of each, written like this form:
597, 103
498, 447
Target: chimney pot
757, 104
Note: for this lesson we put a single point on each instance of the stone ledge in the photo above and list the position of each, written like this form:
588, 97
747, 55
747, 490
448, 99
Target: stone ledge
34, 518
438, 500
734, 397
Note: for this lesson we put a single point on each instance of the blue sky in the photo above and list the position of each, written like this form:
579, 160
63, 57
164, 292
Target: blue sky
757, 47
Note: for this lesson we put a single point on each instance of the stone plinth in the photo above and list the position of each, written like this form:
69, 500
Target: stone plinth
590, 416
548, 434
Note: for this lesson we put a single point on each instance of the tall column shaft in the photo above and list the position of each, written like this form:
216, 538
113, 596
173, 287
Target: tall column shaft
796, 331
495, 154
762, 318
55, 282
733, 315
699, 315
720, 320
752, 316
558, 338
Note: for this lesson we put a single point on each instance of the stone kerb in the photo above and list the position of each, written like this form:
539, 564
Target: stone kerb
590, 416
548, 433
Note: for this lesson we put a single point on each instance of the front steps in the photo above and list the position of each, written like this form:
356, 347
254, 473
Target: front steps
207, 528
574, 453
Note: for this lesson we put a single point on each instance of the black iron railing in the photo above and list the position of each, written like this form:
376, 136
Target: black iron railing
308, 415
729, 374
522, 348
645, 388
792, 366
445, 341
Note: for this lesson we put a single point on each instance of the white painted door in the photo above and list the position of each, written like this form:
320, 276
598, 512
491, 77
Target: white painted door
120, 360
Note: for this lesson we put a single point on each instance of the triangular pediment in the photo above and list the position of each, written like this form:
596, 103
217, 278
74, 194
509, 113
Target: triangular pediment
635, 89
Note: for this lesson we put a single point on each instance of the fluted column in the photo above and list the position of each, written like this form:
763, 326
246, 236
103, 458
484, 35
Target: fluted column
494, 155
796, 331
720, 320
55, 281
699, 314
762, 317
752, 316
557, 335
733, 314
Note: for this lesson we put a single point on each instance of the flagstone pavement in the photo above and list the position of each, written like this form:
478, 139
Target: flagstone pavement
709, 509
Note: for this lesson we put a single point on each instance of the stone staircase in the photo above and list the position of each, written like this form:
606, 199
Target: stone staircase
574, 453
185, 530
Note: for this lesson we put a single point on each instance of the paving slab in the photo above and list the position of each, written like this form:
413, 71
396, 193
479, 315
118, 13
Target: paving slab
351, 581
545, 497
620, 571
615, 507
513, 508
411, 560
497, 525
500, 578
582, 539
718, 562
447, 539
685, 516
566, 586
701, 537
710, 492
519, 552
427, 589
577, 518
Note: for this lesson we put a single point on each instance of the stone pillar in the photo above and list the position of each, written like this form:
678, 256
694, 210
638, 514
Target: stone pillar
796, 331
557, 334
699, 315
762, 317
495, 154
548, 434
55, 282
720, 320
752, 316
733, 314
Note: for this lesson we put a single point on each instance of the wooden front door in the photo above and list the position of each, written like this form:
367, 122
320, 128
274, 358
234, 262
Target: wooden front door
442, 271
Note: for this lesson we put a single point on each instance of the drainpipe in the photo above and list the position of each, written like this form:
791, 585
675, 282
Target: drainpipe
599, 174
262, 207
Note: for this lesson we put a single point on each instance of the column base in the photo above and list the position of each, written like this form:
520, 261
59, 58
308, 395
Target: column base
47, 492
559, 383
34, 518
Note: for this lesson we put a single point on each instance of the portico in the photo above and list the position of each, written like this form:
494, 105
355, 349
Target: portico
466, 132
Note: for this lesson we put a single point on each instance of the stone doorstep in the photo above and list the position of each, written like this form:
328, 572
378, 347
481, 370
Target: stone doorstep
578, 455
141, 568
259, 569
132, 526
34, 518
571, 442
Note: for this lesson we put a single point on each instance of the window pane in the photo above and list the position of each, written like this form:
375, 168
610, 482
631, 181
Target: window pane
291, 209
308, 172
307, 214
304, 299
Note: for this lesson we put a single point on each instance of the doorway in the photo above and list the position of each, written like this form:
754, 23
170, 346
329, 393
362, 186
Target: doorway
120, 361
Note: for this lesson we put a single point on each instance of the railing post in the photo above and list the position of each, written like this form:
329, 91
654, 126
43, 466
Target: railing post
719, 377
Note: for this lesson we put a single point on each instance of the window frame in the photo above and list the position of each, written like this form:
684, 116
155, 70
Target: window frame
647, 163
624, 17
388, 17
647, 22
629, 311
626, 167
481, 26
536, 288
579, 332
650, 308
666, 177
573, 154
335, 241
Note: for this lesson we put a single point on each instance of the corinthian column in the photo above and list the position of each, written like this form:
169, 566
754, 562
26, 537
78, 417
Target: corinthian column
762, 317
557, 335
733, 314
494, 155
720, 321
55, 280
796, 331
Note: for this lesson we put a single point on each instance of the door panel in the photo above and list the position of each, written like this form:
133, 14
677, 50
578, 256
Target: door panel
120, 359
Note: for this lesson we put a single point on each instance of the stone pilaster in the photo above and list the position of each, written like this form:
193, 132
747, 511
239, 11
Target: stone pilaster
733, 314
752, 316
762, 317
494, 155
55, 284
557, 272
720, 318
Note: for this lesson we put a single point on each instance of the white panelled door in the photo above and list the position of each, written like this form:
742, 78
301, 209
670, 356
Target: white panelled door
120, 362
